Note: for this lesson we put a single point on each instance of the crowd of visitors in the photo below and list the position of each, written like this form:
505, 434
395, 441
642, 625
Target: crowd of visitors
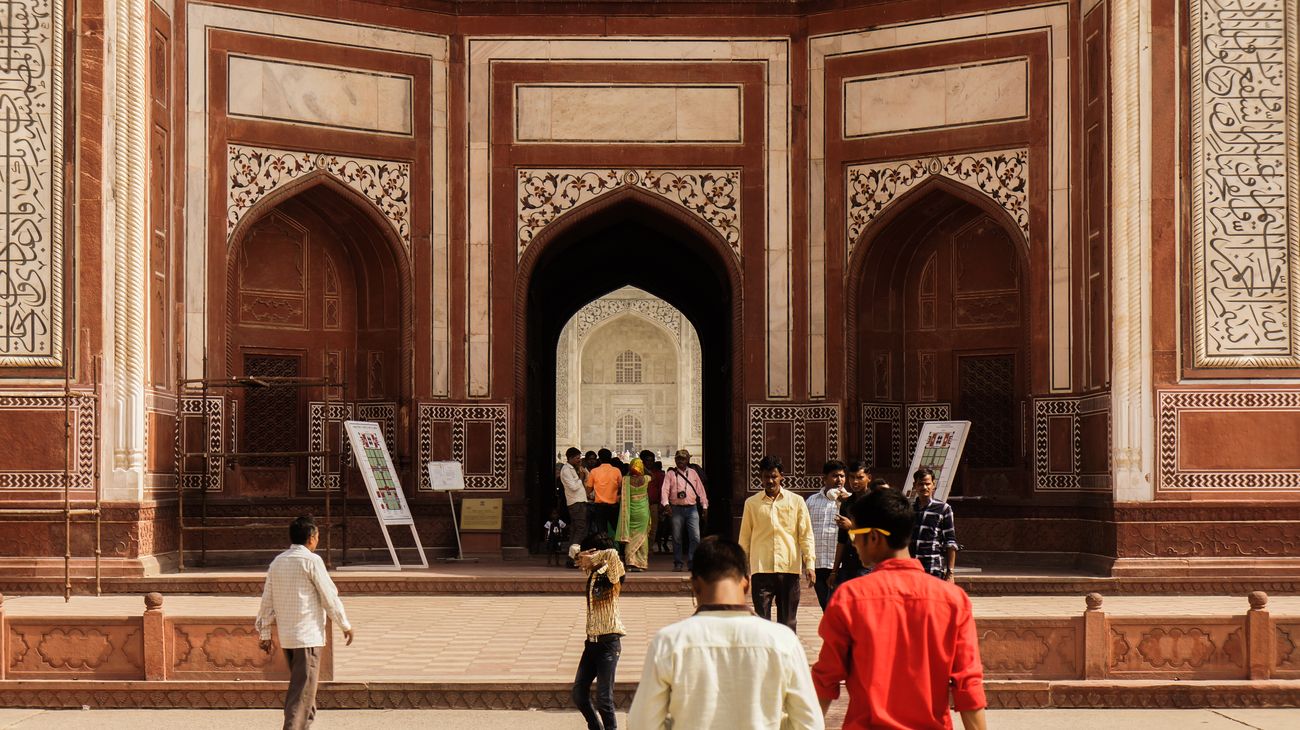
896, 631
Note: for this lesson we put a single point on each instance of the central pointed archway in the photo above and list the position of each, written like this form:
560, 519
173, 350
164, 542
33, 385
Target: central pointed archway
628, 238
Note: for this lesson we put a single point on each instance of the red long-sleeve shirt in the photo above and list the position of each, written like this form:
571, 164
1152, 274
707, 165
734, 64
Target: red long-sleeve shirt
900, 638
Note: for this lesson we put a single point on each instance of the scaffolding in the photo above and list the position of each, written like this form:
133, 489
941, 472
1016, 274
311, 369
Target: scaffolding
228, 457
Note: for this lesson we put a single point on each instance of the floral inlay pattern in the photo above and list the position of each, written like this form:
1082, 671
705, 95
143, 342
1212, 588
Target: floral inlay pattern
1003, 176
711, 195
254, 172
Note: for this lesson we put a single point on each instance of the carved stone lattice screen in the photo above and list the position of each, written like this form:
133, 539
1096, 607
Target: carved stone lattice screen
1245, 183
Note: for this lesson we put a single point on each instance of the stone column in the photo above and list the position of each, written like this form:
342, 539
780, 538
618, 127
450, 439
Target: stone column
125, 246
1133, 431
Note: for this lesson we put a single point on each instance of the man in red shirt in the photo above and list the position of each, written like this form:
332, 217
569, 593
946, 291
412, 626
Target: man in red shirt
898, 638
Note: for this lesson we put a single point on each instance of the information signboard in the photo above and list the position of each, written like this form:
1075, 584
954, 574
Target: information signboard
939, 447
386, 496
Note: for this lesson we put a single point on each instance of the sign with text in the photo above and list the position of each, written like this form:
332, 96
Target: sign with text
446, 476
480, 514
377, 470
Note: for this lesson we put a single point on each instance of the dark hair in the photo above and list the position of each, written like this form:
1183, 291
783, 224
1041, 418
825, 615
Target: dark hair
589, 455
771, 462
301, 530
857, 465
887, 509
646, 456
604, 455
878, 483
572, 452
717, 558
922, 473
832, 466
597, 541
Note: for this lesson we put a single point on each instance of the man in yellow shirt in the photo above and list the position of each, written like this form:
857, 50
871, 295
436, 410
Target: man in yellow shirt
776, 533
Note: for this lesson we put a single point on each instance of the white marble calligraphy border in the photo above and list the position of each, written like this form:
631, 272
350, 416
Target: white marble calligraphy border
482, 52
50, 351
1202, 102
1051, 18
203, 17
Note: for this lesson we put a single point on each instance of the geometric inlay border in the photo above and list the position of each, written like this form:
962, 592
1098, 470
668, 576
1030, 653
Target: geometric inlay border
458, 416
213, 418
873, 413
1172, 403
796, 476
1046, 409
83, 460
317, 478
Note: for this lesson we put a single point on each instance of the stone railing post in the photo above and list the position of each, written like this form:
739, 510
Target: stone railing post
1096, 642
1259, 637
155, 638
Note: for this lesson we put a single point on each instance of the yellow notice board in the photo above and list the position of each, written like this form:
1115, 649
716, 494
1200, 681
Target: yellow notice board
480, 514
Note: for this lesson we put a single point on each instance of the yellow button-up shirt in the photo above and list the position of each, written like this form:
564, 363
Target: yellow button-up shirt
777, 534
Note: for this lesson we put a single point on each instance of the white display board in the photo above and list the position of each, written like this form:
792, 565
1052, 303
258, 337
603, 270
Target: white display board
446, 476
386, 496
939, 447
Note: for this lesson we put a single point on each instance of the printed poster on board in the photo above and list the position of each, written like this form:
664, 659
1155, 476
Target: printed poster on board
377, 470
939, 447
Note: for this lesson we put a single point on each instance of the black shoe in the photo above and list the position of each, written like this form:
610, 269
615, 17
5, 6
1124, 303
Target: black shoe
677, 567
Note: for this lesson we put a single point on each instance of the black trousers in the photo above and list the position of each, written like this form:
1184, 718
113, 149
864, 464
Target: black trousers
779, 588
822, 586
604, 517
578, 522
599, 660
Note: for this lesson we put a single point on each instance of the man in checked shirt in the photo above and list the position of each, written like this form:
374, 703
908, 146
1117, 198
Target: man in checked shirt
934, 537
297, 596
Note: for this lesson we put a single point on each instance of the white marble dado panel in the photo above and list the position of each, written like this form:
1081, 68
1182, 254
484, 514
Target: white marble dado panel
1002, 176
713, 196
290, 91
1245, 183
203, 17
31, 247
646, 113
931, 98
1050, 19
253, 173
773, 53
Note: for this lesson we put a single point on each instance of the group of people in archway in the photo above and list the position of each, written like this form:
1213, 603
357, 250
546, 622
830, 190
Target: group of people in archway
630, 501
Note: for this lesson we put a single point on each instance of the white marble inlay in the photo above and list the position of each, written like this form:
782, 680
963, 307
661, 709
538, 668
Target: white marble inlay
1245, 86
644, 113
288, 91
936, 97
31, 233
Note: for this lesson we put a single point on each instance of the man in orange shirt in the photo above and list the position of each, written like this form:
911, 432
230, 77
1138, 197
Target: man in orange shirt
606, 481
898, 639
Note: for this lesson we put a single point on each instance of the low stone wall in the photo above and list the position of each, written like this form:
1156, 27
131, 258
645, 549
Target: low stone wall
150, 647
1096, 646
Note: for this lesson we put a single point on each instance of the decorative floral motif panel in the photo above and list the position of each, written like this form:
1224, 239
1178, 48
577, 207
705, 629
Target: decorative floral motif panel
253, 172
1245, 183
83, 445
31, 247
798, 476
1002, 175
457, 416
713, 196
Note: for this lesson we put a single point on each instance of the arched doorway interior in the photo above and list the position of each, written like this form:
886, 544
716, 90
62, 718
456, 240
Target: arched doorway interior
629, 239
315, 290
942, 332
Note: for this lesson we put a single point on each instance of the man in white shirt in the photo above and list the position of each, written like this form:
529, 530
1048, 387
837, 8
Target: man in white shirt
575, 496
297, 596
724, 667
823, 508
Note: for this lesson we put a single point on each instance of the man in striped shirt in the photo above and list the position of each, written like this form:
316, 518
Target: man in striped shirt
296, 599
823, 507
934, 537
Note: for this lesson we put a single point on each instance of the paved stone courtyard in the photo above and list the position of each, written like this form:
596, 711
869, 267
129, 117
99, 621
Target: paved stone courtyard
539, 638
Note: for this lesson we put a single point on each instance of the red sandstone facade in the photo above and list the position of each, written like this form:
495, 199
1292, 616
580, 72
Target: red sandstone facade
873, 213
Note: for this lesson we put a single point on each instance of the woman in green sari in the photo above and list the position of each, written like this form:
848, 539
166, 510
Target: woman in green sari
634, 517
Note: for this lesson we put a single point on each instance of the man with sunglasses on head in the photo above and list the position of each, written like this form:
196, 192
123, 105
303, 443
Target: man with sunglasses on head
900, 640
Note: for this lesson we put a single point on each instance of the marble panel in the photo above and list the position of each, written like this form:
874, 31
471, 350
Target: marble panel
330, 97
627, 113
936, 97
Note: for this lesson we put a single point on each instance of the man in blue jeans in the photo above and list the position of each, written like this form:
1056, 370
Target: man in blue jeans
686, 500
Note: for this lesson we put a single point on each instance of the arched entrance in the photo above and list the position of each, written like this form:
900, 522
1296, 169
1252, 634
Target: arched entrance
317, 287
938, 326
628, 238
